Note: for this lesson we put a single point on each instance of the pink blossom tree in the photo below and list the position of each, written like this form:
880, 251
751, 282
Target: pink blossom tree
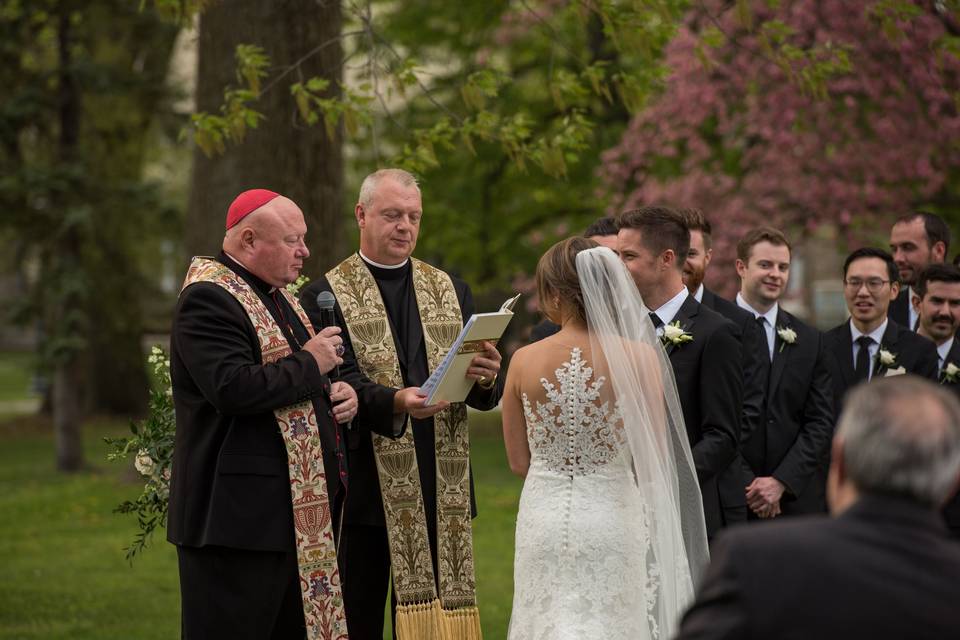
828, 111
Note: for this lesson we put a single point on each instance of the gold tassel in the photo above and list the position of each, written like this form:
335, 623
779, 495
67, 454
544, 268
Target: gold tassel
462, 624
423, 621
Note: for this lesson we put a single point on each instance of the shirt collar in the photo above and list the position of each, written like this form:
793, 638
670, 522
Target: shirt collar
876, 334
262, 285
383, 266
770, 315
699, 294
671, 307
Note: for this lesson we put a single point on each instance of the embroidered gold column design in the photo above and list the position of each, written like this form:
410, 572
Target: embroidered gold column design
420, 615
313, 532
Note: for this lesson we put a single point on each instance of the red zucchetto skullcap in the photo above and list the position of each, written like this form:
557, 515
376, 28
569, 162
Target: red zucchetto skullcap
248, 202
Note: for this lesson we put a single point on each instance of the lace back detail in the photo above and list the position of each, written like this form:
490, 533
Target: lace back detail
577, 428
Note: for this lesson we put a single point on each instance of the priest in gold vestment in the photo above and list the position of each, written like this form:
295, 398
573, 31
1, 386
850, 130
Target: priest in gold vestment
410, 501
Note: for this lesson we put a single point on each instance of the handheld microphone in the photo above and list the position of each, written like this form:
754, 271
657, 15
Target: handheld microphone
326, 300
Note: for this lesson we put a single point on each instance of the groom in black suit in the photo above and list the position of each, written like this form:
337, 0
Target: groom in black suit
786, 456
703, 346
870, 344
756, 366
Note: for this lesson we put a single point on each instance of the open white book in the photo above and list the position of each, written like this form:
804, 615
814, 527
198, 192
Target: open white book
449, 381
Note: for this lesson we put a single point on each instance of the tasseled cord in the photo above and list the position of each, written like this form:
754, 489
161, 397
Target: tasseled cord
429, 621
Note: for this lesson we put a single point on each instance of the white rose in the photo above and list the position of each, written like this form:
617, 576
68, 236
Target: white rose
672, 332
887, 358
788, 335
952, 370
144, 463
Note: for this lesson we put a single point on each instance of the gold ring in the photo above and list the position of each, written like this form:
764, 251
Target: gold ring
482, 379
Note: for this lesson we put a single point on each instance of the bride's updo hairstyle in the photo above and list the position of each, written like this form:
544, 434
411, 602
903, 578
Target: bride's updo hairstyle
557, 278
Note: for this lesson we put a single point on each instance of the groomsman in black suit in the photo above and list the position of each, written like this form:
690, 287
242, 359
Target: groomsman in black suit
870, 344
756, 366
786, 454
937, 297
916, 240
703, 346
602, 231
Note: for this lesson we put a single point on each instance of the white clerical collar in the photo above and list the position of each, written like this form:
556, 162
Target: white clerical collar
383, 266
770, 316
671, 307
876, 334
943, 350
699, 294
272, 289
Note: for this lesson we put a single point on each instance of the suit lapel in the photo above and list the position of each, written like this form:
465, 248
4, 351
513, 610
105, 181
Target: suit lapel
687, 317
845, 354
781, 351
953, 357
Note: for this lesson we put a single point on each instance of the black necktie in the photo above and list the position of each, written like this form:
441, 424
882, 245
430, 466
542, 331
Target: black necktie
657, 322
862, 370
762, 323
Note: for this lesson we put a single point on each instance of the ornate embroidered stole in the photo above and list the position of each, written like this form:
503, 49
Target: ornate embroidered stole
420, 614
316, 553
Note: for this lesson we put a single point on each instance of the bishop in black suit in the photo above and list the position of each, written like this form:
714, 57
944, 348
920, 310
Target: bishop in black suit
703, 346
882, 568
230, 510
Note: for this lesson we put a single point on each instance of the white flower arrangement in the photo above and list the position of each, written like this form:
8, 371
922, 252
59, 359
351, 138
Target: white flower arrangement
675, 335
153, 443
294, 287
887, 359
787, 336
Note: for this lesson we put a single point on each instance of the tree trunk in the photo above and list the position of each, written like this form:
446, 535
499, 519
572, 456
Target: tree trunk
68, 373
282, 154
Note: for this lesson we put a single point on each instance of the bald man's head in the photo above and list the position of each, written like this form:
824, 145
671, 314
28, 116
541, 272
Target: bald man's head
270, 242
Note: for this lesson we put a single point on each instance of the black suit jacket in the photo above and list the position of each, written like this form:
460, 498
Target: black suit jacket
710, 384
364, 504
914, 353
756, 371
795, 439
951, 512
229, 482
899, 310
884, 569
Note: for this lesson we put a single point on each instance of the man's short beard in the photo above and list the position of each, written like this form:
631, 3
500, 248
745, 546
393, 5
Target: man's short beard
694, 279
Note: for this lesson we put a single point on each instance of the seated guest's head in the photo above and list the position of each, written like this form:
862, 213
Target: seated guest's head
603, 231
897, 437
869, 286
937, 299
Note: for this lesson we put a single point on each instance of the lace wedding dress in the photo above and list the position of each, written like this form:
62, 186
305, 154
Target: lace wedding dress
610, 525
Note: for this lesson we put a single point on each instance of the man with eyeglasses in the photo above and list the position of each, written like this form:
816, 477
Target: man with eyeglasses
870, 344
917, 240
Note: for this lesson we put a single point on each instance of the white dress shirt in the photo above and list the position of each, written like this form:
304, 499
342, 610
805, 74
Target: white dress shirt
671, 308
943, 351
912, 314
698, 296
876, 334
769, 320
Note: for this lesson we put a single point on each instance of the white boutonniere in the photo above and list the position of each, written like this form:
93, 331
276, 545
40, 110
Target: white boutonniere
787, 336
951, 373
887, 359
673, 334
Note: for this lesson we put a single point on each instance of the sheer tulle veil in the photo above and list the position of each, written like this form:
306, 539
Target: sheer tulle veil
643, 382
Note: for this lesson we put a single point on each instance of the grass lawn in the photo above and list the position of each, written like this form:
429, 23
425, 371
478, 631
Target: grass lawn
61, 548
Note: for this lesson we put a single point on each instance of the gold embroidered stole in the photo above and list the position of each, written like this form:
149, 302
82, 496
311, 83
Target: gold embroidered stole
316, 553
420, 614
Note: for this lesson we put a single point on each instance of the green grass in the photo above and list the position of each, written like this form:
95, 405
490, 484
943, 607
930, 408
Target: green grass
63, 570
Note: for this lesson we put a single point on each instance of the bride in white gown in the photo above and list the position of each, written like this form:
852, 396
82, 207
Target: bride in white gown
610, 536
